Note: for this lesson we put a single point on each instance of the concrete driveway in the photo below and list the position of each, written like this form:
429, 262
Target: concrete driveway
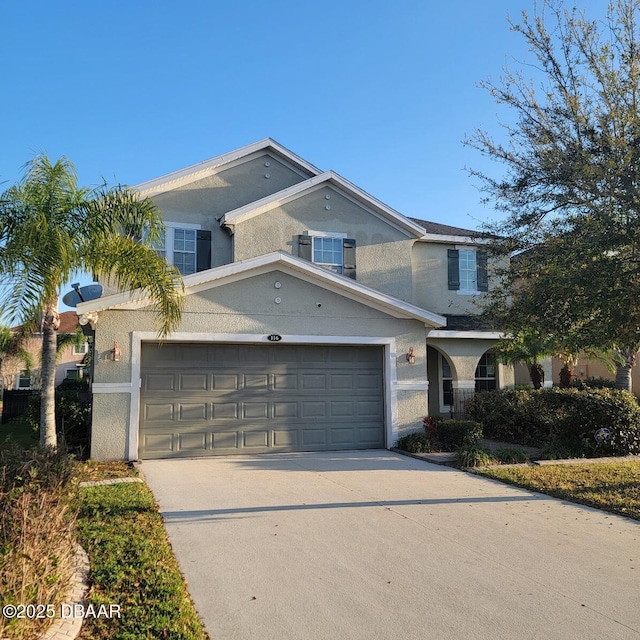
372, 545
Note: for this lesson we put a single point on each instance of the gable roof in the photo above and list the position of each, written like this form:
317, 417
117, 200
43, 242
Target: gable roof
213, 165
281, 261
373, 205
445, 229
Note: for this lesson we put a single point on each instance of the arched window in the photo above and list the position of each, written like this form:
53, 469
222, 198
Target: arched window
486, 373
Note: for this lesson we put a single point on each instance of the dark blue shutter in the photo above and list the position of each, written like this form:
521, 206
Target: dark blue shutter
453, 256
304, 247
349, 258
483, 277
203, 250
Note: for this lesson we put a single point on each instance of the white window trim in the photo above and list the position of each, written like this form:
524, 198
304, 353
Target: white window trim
328, 265
468, 292
85, 349
169, 237
495, 369
18, 386
325, 234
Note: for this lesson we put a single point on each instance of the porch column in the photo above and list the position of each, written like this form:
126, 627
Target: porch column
547, 367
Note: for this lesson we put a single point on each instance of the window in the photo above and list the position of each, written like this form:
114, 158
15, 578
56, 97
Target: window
185, 246
24, 380
73, 374
447, 384
327, 252
467, 270
184, 250
486, 378
80, 350
332, 251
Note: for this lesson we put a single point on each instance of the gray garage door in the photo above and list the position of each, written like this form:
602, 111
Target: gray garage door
208, 399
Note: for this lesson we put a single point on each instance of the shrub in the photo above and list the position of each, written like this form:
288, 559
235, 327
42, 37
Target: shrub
569, 417
555, 450
593, 383
452, 434
73, 414
509, 455
417, 442
472, 455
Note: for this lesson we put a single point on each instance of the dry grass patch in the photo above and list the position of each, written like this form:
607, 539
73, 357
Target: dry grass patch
92, 471
613, 486
36, 535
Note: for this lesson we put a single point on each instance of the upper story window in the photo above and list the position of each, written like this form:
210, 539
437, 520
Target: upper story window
80, 350
24, 380
467, 270
332, 251
185, 246
328, 253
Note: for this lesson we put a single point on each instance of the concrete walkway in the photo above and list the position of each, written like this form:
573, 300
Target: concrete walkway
372, 545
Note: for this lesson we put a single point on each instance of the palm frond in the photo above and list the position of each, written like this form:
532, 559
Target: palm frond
133, 266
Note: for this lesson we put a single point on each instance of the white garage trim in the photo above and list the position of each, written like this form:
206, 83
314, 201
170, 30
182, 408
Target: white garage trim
391, 387
111, 387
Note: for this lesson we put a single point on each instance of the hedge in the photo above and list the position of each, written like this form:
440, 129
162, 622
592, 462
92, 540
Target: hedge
441, 435
596, 421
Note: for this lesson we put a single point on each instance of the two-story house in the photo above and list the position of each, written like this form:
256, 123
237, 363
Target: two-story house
315, 318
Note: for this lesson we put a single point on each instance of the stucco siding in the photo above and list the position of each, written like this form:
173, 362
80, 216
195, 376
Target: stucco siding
204, 201
110, 418
412, 407
248, 307
229, 188
383, 253
430, 282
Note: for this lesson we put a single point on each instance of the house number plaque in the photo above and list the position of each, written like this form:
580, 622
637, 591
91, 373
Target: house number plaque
274, 337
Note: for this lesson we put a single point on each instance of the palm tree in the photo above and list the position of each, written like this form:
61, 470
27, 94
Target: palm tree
50, 228
528, 348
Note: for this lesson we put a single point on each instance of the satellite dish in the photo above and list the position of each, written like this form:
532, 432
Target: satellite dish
82, 294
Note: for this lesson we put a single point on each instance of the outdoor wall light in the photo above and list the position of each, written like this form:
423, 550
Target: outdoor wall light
411, 356
116, 354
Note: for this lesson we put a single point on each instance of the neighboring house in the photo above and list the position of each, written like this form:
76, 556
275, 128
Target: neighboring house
69, 361
583, 368
316, 318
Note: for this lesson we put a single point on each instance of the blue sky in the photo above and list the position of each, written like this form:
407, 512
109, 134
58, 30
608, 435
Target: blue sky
381, 92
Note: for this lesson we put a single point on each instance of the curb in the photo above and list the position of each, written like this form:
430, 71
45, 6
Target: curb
99, 483
69, 628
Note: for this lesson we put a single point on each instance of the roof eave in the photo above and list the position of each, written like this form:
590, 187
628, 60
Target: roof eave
202, 169
321, 277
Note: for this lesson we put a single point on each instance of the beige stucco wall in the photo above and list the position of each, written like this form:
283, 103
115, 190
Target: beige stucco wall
108, 430
383, 254
248, 307
204, 201
463, 355
430, 281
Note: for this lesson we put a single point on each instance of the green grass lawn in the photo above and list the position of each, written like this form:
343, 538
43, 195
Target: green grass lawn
612, 486
132, 564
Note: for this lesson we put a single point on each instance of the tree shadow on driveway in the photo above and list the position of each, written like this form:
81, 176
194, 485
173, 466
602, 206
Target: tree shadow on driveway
210, 515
